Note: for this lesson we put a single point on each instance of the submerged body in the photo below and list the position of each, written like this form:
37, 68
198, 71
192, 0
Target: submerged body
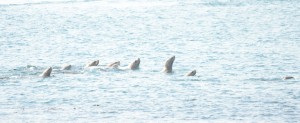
288, 77
114, 65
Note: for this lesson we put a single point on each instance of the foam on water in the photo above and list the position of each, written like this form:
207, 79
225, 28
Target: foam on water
240, 49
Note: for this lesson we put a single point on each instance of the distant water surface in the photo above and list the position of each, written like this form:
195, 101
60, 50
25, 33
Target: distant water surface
241, 50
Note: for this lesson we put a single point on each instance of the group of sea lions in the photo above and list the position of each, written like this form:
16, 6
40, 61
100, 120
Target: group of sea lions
115, 65
133, 66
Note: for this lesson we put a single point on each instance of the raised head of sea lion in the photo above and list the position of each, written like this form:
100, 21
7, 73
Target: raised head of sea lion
93, 63
168, 65
66, 67
135, 64
46, 72
191, 73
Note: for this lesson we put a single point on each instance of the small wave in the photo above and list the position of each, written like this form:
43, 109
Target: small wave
4, 78
264, 79
122, 4
40, 2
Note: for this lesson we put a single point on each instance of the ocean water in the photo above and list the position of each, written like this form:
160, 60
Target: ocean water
241, 50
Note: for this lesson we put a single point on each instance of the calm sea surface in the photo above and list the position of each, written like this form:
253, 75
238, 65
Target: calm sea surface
241, 50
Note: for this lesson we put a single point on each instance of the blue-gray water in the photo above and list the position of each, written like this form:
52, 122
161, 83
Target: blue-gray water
241, 50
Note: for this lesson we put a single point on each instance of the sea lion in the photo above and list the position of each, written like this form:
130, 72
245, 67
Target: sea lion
46, 72
288, 77
93, 63
168, 65
191, 73
114, 64
66, 67
135, 64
